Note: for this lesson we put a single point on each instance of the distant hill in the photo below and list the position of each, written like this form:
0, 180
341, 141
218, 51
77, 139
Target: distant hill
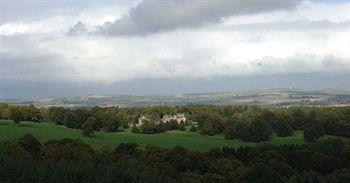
263, 97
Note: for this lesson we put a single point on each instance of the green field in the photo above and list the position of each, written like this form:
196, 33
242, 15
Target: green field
190, 140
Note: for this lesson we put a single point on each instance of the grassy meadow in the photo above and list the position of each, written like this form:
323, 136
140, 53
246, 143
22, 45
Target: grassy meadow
191, 140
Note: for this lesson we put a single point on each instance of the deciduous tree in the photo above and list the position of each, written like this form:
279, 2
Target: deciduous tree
16, 114
311, 134
87, 128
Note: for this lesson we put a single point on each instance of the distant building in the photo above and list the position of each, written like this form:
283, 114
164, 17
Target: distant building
147, 118
166, 118
177, 117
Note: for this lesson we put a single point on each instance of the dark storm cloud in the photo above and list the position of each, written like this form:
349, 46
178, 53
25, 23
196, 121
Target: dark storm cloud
164, 15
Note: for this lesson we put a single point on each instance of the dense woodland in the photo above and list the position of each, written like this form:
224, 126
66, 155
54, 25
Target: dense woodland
67, 160
234, 122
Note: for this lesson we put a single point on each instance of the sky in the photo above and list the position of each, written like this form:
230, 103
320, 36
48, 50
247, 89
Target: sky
75, 47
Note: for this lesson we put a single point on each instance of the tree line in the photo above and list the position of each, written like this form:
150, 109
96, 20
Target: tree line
68, 160
234, 122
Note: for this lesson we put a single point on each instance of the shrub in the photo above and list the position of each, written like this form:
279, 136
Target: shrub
16, 115
259, 131
134, 129
311, 134
125, 124
88, 127
182, 126
207, 129
149, 128
193, 128
229, 133
283, 129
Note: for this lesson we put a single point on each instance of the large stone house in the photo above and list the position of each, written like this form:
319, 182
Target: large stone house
177, 117
166, 118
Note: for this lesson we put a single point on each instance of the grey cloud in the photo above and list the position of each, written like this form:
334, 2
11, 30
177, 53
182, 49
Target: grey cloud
299, 25
23, 59
302, 63
163, 15
35, 67
15, 10
78, 29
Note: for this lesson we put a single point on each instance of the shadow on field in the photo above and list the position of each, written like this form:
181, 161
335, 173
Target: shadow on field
92, 136
11, 123
121, 130
6, 123
25, 125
